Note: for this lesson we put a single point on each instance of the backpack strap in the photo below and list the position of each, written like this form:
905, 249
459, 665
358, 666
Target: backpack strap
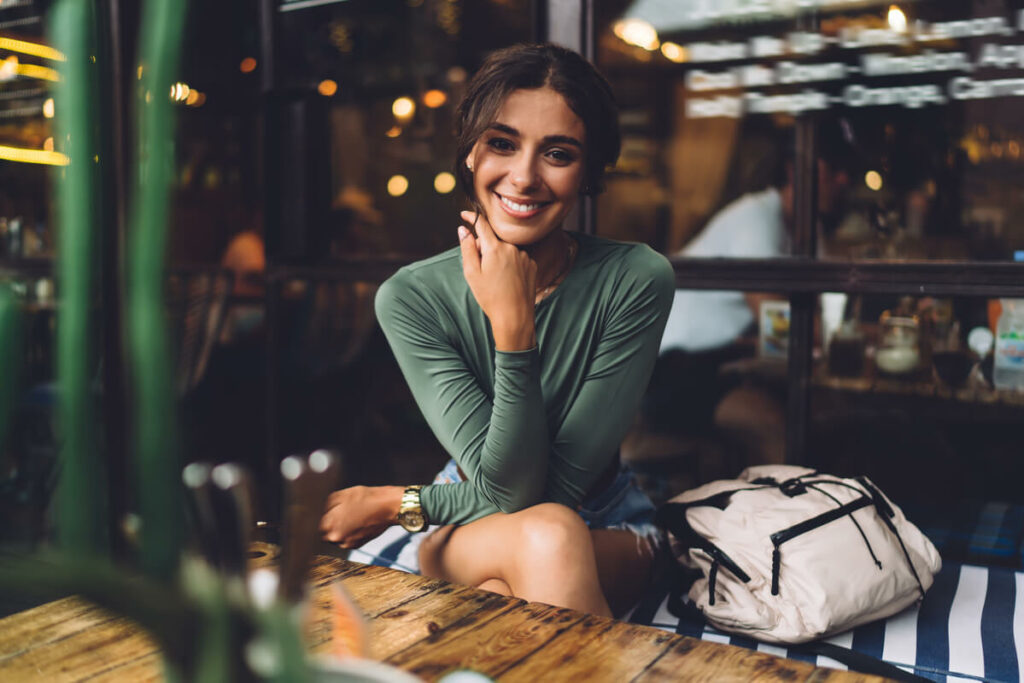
859, 662
672, 516
887, 513
855, 661
680, 579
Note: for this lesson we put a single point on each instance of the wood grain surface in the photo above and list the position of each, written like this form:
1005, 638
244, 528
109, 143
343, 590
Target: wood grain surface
425, 626
593, 647
489, 641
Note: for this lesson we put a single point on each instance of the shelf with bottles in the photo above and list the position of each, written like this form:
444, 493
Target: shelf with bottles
25, 243
918, 349
975, 390
19, 268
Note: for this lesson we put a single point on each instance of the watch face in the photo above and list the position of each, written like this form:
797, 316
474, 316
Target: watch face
412, 521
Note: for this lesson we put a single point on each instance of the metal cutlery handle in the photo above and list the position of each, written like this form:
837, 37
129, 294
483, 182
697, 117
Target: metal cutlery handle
301, 527
196, 477
233, 507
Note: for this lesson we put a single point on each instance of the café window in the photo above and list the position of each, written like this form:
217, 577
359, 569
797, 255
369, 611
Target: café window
717, 398
923, 394
28, 145
359, 153
32, 154
917, 108
377, 83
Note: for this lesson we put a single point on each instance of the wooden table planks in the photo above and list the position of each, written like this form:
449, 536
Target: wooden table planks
70, 640
594, 649
425, 626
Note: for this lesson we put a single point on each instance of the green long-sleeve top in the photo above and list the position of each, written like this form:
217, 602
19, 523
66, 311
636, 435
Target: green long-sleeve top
531, 426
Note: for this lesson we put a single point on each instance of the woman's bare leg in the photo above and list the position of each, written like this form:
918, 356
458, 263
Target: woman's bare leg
624, 563
544, 553
495, 586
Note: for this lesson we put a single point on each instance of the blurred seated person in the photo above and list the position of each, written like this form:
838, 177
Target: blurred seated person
229, 399
245, 257
356, 227
706, 329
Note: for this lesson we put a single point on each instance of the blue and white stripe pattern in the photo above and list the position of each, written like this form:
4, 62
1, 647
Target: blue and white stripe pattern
396, 548
969, 627
989, 533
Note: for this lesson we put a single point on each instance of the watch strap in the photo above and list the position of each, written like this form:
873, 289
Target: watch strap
410, 507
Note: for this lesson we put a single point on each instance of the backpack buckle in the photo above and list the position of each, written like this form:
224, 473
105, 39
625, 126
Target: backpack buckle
793, 487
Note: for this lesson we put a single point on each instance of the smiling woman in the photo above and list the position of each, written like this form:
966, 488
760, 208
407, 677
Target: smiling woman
582, 89
528, 165
527, 348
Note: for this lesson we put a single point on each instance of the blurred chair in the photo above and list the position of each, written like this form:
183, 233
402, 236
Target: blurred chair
327, 330
334, 322
197, 304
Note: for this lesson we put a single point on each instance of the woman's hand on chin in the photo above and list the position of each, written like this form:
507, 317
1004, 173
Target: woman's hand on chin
503, 280
359, 514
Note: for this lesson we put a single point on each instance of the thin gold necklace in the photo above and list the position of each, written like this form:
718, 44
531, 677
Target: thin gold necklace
570, 257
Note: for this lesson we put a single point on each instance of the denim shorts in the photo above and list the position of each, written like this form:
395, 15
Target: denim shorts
622, 505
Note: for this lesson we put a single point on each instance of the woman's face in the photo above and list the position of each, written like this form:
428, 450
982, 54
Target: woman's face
528, 166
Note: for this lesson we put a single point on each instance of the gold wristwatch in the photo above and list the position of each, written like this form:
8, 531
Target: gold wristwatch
410, 513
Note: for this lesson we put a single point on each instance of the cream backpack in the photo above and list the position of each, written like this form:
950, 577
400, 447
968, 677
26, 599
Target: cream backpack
789, 555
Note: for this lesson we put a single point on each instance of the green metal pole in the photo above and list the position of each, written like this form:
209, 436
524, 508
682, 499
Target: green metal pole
81, 498
159, 466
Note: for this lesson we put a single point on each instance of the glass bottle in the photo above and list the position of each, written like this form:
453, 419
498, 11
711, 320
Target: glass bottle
1008, 367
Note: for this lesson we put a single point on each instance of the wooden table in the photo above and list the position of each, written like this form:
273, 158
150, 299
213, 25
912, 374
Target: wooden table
422, 625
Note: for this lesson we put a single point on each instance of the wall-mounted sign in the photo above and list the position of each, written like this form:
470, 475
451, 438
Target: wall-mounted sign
291, 5
856, 64
687, 15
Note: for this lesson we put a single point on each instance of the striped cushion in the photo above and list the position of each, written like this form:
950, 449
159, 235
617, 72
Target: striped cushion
395, 548
989, 533
970, 626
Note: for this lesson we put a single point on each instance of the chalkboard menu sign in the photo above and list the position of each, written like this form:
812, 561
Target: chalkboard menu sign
910, 55
289, 5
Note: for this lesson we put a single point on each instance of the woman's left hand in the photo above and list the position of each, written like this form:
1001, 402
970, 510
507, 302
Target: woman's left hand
359, 514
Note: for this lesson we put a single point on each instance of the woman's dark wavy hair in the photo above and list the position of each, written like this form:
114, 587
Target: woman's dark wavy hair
532, 66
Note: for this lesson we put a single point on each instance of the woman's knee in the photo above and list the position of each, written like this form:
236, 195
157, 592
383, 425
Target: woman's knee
551, 530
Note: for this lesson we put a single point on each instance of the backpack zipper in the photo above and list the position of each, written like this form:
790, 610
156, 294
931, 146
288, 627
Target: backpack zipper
780, 537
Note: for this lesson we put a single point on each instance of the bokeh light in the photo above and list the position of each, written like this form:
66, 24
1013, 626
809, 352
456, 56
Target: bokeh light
180, 92
403, 108
397, 185
444, 182
897, 19
674, 52
434, 98
873, 179
637, 32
